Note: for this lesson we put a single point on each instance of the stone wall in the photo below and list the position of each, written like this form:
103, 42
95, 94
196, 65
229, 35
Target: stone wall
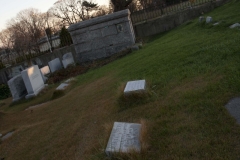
102, 36
7, 73
169, 22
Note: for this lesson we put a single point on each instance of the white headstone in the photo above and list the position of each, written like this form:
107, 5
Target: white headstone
45, 70
67, 59
124, 138
135, 86
209, 19
55, 65
17, 88
235, 25
62, 86
33, 81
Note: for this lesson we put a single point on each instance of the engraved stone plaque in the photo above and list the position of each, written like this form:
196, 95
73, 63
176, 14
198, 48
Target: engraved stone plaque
62, 86
124, 138
135, 86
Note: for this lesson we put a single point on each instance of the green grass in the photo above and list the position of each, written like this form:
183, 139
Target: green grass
192, 72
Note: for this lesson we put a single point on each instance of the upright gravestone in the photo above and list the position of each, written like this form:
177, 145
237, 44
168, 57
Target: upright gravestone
45, 71
103, 36
55, 65
17, 88
209, 19
33, 81
67, 59
137, 86
124, 138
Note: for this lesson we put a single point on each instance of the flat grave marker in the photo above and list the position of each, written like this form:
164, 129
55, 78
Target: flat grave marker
135, 86
124, 137
62, 86
235, 25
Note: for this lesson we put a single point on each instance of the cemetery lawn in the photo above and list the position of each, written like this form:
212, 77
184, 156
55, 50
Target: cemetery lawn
191, 72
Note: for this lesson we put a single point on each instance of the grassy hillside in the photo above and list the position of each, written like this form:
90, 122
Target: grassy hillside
191, 71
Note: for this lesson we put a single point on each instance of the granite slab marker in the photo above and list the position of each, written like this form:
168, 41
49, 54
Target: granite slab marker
33, 81
17, 88
62, 86
67, 59
55, 65
235, 25
233, 107
124, 138
135, 86
209, 19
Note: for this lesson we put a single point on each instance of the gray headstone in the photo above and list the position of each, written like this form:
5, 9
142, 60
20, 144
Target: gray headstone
209, 19
39, 62
124, 137
215, 24
33, 81
17, 88
201, 19
67, 59
17, 70
55, 65
45, 71
235, 25
62, 86
135, 86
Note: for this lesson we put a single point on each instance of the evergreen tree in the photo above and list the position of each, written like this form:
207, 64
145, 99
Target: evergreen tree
65, 37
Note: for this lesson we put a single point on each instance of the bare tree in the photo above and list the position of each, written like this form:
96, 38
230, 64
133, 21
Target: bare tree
72, 11
102, 10
27, 28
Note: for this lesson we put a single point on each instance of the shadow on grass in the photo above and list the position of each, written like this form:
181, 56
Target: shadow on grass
57, 94
133, 100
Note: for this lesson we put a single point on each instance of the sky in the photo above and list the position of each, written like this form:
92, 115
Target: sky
10, 8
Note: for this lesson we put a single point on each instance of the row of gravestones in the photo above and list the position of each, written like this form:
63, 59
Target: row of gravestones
210, 20
31, 80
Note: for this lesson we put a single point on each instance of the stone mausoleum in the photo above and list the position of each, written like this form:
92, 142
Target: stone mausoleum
102, 36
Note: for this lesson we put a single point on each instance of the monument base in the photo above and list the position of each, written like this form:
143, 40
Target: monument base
35, 93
